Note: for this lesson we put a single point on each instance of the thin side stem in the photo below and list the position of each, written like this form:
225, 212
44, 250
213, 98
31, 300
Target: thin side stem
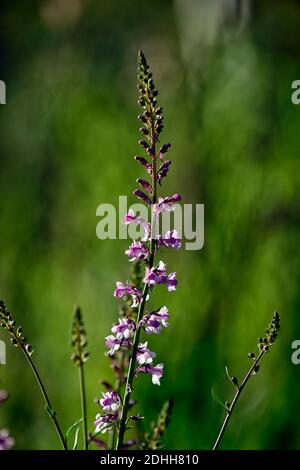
47, 401
235, 399
83, 406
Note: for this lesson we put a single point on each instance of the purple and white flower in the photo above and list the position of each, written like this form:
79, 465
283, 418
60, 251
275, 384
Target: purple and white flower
102, 422
144, 355
137, 250
171, 240
165, 204
155, 371
124, 329
129, 289
154, 322
113, 344
6, 441
131, 218
110, 402
158, 275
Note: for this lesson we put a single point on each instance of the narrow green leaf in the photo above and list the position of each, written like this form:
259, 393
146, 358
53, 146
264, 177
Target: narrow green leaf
76, 438
73, 426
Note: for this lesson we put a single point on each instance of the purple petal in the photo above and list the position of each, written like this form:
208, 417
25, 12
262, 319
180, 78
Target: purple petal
144, 184
138, 193
145, 163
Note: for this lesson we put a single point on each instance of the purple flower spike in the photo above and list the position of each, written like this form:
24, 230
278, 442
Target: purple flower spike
165, 204
156, 372
6, 441
137, 250
124, 329
154, 322
163, 171
144, 355
102, 422
144, 184
171, 240
110, 402
135, 293
138, 193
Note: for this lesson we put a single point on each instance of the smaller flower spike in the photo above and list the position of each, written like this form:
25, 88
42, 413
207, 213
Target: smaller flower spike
271, 333
16, 333
78, 342
263, 346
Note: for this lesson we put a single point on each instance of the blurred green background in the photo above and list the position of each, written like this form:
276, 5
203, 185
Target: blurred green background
68, 134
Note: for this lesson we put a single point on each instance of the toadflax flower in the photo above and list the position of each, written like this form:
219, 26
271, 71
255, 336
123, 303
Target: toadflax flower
110, 402
144, 355
113, 344
131, 218
103, 422
154, 322
158, 275
122, 290
6, 441
137, 250
155, 371
124, 329
171, 240
165, 204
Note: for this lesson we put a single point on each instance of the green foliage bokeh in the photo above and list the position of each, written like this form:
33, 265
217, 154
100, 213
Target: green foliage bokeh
68, 135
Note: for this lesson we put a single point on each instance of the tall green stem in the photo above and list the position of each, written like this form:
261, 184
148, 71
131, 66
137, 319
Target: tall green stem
136, 338
235, 399
83, 406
